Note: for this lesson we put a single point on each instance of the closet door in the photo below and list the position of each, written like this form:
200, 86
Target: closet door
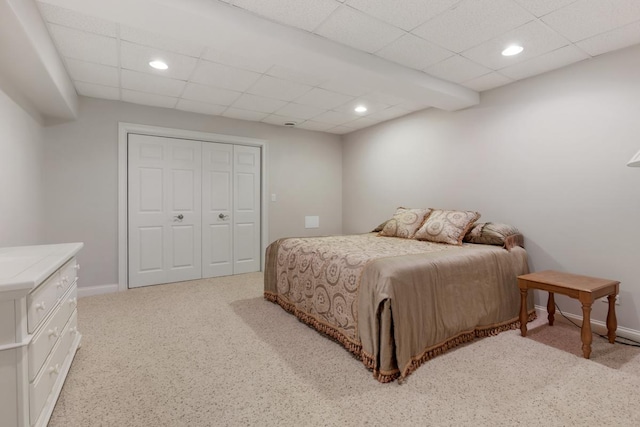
246, 209
164, 210
217, 208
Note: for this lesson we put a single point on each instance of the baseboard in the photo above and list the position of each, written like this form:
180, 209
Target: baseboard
87, 291
597, 326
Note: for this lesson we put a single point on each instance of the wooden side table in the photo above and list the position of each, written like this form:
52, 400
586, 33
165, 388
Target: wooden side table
583, 288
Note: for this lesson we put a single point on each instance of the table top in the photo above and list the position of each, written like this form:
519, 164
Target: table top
569, 281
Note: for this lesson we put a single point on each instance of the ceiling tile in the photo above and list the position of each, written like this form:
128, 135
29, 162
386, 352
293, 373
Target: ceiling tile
236, 113
200, 107
595, 17
159, 41
536, 38
335, 117
85, 46
473, 22
389, 113
208, 94
284, 90
457, 69
79, 21
97, 91
612, 40
258, 65
414, 52
136, 57
345, 87
542, 7
295, 76
317, 126
300, 111
148, 99
488, 81
406, 14
362, 122
276, 119
149, 83
323, 98
384, 98
353, 28
305, 14
258, 103
218, 75
340, 130
93, 73
547, 62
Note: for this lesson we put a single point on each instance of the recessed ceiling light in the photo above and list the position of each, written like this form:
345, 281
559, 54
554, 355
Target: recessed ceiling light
361, 109
290, 124
512, 50
159, 65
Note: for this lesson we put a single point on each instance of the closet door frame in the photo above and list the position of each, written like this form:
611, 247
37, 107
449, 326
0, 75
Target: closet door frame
124, 129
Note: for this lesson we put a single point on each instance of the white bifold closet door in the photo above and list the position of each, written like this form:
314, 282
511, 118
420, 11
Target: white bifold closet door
194, 209
230, 209
164, 210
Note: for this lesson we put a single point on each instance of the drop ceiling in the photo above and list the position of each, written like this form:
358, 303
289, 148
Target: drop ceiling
312, 61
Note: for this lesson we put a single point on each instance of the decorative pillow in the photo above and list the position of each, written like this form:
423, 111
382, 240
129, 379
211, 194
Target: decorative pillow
490, 233
405, 222
447, 226
380, 227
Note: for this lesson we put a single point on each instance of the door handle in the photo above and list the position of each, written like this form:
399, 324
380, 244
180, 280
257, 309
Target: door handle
178, 217
223, 216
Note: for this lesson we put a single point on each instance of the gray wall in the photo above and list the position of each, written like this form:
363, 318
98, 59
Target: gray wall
21, 185
546, 154
81, 170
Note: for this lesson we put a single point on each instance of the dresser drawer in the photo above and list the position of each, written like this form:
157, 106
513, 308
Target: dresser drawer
42, 300
48, 335
68, 274
41, 387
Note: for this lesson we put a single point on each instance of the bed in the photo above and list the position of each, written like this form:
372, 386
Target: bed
396, 302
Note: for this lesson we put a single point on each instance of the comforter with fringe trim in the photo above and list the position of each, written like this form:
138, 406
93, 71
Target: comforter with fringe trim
396, 303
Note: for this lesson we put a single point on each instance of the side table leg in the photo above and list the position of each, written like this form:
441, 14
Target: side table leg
612, 322
551, 308
586, 329
523, 312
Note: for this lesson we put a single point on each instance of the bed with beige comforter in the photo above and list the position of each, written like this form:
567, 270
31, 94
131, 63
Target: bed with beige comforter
396, 303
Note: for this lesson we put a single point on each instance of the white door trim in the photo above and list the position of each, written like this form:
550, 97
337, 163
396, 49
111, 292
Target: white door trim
126, 128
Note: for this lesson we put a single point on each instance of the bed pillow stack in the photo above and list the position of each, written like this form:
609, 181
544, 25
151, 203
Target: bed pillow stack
405, 222
490, 233
444, 226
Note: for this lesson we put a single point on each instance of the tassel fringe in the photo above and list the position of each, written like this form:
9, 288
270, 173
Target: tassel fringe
369, 361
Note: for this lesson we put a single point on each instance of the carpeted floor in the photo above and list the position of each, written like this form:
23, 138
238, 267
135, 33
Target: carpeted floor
215, 353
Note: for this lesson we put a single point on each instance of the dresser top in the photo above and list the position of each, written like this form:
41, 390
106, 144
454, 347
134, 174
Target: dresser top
25, 267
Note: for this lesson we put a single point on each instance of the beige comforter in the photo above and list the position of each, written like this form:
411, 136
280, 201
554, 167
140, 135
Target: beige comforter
395, 303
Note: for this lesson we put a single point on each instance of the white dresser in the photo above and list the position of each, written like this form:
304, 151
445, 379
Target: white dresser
38, 329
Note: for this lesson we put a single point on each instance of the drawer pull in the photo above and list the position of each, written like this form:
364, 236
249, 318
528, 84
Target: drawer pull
41, 306
77, 267
65, 279
54, 369
54, 332
73, 301
60, 284
73, 330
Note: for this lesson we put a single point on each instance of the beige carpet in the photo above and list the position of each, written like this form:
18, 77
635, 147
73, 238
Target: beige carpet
214, 353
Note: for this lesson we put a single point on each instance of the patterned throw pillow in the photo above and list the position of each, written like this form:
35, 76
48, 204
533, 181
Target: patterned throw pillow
447, 226
490, 233
404, 223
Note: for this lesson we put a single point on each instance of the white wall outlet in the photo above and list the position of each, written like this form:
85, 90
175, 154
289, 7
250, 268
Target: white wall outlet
311, 222
273, 197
